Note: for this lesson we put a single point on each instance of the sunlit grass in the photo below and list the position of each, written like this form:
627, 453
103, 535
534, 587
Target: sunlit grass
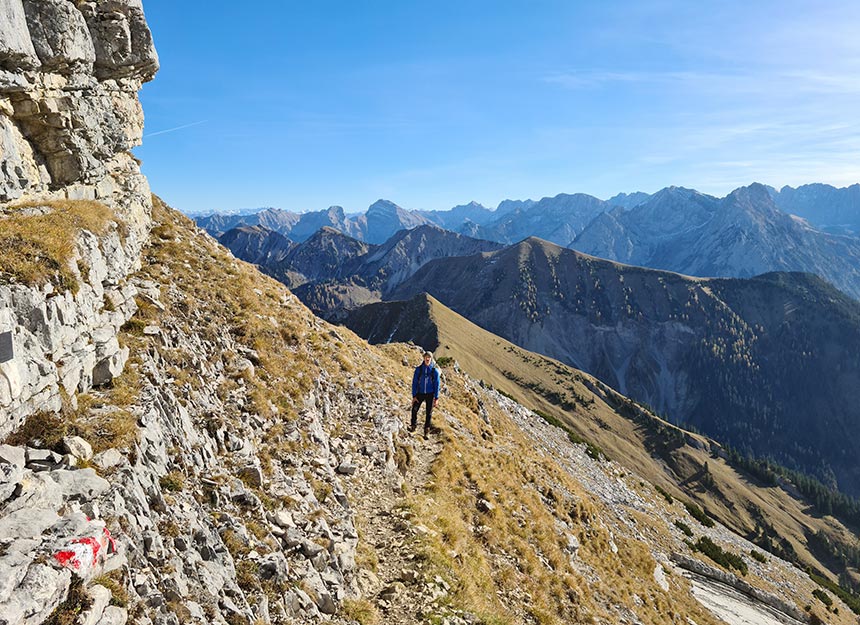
38, 248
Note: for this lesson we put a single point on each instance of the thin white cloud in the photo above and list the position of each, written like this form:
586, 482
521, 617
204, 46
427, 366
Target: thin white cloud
168, 130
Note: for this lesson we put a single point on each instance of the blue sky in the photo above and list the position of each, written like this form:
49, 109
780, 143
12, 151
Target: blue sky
302, 105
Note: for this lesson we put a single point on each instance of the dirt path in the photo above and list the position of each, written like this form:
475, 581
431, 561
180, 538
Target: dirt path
402, 593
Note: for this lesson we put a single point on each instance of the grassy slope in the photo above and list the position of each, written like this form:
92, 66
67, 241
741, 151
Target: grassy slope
735, 499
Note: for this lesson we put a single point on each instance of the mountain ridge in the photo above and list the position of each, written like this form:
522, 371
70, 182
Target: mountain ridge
750, 231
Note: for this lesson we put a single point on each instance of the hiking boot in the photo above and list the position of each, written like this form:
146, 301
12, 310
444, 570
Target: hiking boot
412, 427
426, 434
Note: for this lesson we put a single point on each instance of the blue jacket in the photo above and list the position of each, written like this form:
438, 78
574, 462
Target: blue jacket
425, 380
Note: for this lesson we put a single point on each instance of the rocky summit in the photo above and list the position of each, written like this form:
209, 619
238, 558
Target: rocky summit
185, 442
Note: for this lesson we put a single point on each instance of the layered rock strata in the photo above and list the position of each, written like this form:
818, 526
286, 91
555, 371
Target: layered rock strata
69, 112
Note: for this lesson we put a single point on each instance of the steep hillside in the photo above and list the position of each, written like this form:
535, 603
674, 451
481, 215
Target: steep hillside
252, 466
749, 362
741, 235
685, 465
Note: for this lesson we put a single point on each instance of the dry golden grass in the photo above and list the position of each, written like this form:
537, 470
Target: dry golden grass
47, 427
36, 249
102, 429
257, 311
735, 499
361, 610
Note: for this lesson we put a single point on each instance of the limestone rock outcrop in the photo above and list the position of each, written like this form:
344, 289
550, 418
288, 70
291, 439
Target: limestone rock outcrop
62, 341
69, 112
69, 77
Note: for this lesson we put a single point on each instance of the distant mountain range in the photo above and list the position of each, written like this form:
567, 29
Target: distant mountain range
382, 219
828, 208
749, 232
741, 235
333, 273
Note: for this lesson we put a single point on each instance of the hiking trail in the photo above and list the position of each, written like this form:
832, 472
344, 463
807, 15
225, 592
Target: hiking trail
398, 585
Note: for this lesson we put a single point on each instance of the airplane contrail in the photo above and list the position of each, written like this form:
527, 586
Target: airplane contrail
162, 132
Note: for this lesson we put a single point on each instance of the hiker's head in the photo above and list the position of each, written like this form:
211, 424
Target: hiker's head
428, 356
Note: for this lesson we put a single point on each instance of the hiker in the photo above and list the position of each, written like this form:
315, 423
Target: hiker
425, 389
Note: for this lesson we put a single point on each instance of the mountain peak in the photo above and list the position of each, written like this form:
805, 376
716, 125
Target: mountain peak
336, 213
754, 195
383, 207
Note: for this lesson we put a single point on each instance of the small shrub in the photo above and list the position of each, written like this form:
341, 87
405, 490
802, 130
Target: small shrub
758, 555
42, 429
173, 481
113, 582
106, 430
684, 528
445, 361
666, 495
823, 597
247, 575
321, 488
722, 557
134, 326
77, 601
235, 544
697, 513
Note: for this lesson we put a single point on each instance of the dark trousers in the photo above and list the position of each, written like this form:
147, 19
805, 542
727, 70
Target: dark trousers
416, 406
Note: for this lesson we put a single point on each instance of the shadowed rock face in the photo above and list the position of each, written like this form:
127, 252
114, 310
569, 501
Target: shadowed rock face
69, 77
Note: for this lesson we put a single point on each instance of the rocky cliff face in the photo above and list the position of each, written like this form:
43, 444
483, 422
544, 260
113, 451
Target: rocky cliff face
69, 113
69, 77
